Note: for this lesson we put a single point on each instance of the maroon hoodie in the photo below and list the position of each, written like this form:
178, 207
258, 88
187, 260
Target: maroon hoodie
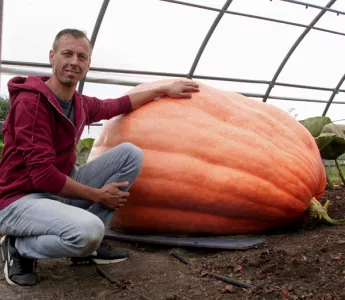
40, 141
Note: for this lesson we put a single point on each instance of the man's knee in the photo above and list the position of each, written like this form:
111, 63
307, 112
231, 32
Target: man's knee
134, 152
89, 234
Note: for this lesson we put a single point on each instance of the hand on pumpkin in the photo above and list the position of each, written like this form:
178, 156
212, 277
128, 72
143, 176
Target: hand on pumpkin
111, 196
181, 89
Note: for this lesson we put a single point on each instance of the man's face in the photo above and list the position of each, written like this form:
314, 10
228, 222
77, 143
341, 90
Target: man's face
71, 59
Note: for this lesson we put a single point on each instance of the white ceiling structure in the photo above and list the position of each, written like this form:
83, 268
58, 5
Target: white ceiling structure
284, 52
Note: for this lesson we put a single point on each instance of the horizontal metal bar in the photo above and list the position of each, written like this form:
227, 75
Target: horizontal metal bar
138, 72
164, 74
216, 78
293, 85
338, 121
18, 71
338, 12
25, 64
308, 87
287, 98
96, 69
255, 17
21, 72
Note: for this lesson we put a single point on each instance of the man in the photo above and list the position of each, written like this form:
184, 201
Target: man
48, 207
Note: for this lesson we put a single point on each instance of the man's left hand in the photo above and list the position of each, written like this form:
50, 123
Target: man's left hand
177, 89
181, 89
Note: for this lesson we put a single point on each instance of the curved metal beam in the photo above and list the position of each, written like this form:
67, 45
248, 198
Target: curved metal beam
295, 45
335, 91
338, 12
94, 35
252, 16
207, 38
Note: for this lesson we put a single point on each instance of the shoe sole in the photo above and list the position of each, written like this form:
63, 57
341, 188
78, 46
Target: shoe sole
2, 251
96, 261
99, 261
9, 281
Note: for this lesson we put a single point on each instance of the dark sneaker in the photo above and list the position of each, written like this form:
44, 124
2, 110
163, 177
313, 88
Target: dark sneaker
104, 255
18, 270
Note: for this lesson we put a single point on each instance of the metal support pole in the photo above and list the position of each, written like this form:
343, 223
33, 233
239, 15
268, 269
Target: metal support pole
293, 48
335, 91
207, 38
94, 35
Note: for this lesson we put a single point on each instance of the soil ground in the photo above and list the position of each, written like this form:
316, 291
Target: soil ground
301, 263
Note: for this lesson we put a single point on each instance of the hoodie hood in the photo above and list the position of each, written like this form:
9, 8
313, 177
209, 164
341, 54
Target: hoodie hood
34, 84
37, 86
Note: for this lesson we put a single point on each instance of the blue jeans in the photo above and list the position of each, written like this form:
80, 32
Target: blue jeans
70, 227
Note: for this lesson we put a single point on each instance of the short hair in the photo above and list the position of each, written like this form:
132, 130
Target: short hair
78, 34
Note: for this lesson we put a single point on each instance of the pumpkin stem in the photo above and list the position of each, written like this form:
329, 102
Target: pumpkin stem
316, 210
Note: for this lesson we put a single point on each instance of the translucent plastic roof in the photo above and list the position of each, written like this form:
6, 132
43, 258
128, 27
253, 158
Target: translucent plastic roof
288, 53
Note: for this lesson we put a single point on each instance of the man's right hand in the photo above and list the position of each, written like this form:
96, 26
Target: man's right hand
111, 196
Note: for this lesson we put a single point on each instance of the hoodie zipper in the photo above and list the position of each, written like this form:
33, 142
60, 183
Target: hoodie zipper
75, 129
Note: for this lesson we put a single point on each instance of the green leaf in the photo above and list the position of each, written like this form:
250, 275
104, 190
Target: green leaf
4, 108
329, 137
332, 151
82, 156
1, 133
331, 141
1, 148
315, 124
324, 139
338, 129
85, 143
83, 150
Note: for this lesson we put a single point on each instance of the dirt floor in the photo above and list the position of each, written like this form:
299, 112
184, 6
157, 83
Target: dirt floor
303, 263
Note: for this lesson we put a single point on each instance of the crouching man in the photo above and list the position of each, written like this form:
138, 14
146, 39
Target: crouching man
48, 207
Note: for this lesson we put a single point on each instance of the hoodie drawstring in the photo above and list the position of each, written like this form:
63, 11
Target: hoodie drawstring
33, 124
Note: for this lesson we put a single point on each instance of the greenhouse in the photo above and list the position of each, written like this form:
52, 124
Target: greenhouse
235, 193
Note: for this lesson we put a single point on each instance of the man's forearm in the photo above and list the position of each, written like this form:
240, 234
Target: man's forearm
140, 98
76, 190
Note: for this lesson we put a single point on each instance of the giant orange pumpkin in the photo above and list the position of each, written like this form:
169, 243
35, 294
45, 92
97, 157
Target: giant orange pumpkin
218, 163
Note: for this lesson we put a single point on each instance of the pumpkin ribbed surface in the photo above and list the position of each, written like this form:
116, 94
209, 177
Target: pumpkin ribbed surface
217, 163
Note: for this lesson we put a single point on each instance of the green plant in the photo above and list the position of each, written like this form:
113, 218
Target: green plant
1, 147
4, 107
330, 139
83, 150
4, 110
333, 174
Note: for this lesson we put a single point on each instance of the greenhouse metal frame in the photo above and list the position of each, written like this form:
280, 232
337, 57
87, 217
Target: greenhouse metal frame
11, 67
